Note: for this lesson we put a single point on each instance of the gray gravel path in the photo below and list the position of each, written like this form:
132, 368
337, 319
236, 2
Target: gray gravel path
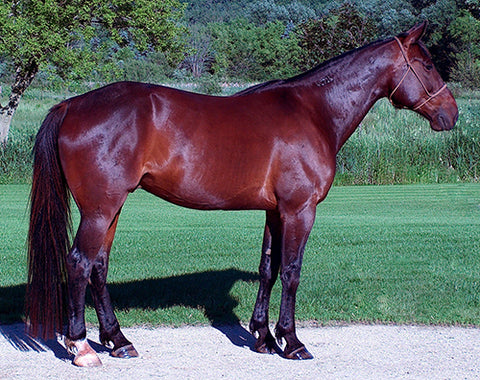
341, 352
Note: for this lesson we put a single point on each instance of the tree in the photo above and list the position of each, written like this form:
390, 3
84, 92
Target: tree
466, 30
263, 11
57, 34
244, 50
199, 57
438, 38
342, 29
390, 17
473, 6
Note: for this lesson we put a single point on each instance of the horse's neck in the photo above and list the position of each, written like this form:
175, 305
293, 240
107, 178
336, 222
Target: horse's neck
345, 90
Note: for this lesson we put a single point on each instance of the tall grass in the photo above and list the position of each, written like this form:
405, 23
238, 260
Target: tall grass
393, 147
390, 146
16, 158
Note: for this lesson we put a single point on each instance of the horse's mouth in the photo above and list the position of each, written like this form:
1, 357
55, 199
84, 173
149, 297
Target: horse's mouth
442, 122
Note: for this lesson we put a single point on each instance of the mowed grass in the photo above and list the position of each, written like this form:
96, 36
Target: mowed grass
403, 254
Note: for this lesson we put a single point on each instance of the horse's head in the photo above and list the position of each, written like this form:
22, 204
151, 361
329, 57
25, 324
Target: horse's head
416, 84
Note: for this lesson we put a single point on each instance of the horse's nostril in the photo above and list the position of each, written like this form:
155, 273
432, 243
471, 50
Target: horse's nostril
442, 122
445, 121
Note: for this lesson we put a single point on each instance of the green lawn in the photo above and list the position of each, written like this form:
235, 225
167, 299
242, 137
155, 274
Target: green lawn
406, 254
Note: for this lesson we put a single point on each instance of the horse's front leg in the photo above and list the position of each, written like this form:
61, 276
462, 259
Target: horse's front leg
268, 270
296, 227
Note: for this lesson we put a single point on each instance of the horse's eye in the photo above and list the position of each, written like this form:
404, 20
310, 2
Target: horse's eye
428, 67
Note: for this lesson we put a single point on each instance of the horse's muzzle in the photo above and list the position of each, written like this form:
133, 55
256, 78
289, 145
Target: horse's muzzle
444, 121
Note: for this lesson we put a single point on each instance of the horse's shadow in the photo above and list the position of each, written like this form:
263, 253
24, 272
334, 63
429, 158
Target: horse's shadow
208, 291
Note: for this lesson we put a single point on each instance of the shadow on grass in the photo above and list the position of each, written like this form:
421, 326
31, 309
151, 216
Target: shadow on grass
208, 291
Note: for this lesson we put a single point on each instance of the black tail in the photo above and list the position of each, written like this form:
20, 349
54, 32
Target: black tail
48, 236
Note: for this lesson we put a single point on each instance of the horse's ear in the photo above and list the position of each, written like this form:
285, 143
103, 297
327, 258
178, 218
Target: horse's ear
414, 34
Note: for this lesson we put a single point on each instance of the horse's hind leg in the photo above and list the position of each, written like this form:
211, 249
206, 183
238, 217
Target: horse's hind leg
268, 269
92, 242
87, 244
109, 326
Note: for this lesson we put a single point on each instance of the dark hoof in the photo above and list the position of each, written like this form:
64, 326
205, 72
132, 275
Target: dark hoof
125, 352
299, 354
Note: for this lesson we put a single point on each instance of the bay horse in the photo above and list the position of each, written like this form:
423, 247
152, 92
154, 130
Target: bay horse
271, 147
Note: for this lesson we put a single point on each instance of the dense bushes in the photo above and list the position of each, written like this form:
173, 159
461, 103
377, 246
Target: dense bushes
262, 39
466, 30
343, 29
257, 40
243, 50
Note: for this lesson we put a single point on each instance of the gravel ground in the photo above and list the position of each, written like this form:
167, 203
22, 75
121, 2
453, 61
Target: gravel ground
346, 352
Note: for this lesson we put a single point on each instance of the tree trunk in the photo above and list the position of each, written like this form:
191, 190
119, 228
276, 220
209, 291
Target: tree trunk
5, 121
24, 76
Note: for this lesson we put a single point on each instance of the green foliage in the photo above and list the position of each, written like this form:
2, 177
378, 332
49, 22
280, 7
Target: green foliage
439, 16
151, 68
58, 36
466, 31
264, 11
473, 6
390, 17
327, 36
438, 39
29, 29
149, 24
342, 29
208, 84
199, 55
207, 11
127, 32
244, 50
59, 32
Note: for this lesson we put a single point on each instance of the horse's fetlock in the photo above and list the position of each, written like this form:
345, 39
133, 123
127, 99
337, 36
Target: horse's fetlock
80, 335
280, 333
105, 339
256, 327
70, 346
